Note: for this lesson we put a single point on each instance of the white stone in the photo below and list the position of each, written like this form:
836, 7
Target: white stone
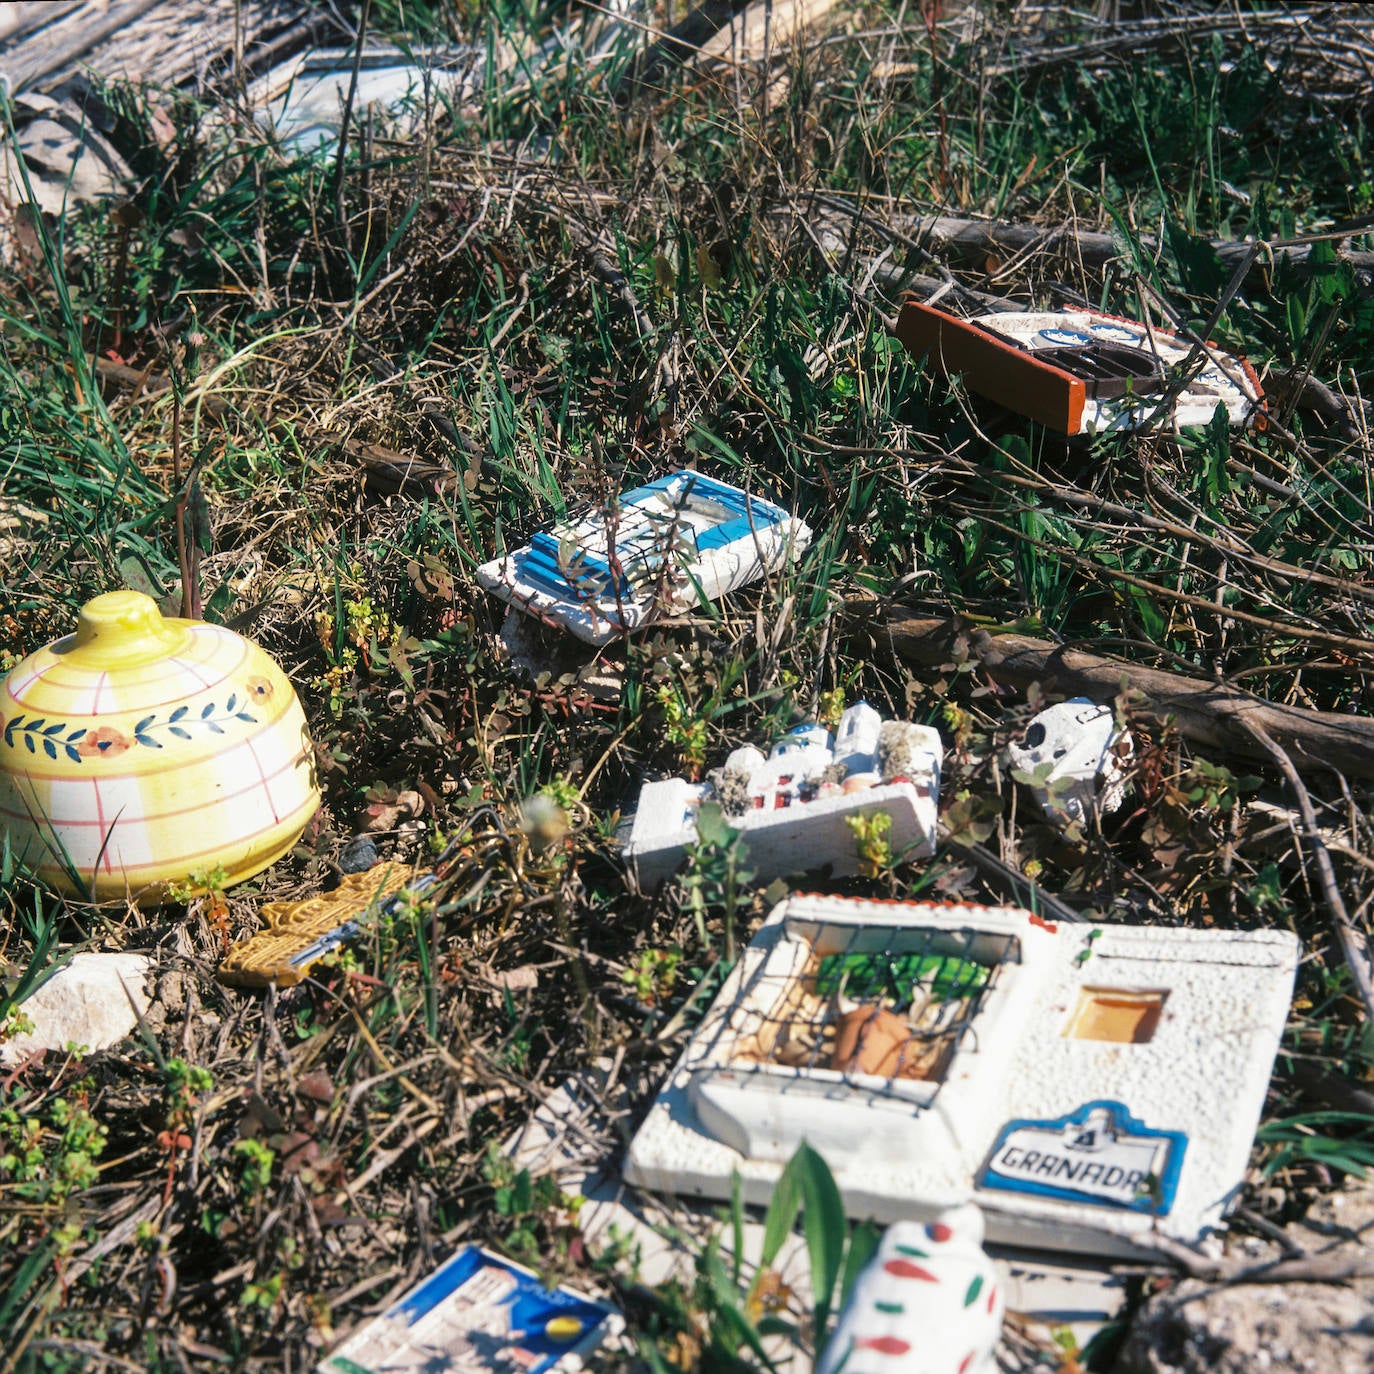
929, 1301
89, 1002
798, 801
668, 546
1066, 1134
1086, 752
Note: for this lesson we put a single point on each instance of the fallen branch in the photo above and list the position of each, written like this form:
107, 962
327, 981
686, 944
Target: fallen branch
681, 44
998, 874
1339, 1267
1333, 1089
733, 32
145, 384
1209, 713
1321, 53
976, 239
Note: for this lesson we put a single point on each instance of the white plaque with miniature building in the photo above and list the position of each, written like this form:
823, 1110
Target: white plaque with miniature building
660, 549
1087, 1086
797, 806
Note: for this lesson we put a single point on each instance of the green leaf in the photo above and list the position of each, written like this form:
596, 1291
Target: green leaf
711, 826
1297, 319
707, 268
863, 1245
778, 1326
138, 576
780, 1217
737, 1222
825, 1228
728, 1312
1199, 265
775, 892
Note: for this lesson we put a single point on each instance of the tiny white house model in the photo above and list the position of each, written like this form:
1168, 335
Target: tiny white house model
794, 806
1077, 755
664, 547
1085, 1086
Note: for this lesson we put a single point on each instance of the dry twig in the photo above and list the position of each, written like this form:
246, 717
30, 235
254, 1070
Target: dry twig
1354, 942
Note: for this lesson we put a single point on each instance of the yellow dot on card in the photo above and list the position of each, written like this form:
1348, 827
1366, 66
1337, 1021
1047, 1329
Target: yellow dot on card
563, 1328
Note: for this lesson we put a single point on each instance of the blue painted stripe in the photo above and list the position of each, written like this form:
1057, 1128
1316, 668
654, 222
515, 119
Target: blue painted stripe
732, 498
550, 546
542, 570
541, 563
720, 535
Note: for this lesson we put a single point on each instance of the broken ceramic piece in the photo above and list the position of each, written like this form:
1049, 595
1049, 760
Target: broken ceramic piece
94, 1001
929, 1299
304, 98
1078, 756
297, 934
141, 751
570, 1137
1084, 372
663, 548
1086, 1086
793, 806
475, 1312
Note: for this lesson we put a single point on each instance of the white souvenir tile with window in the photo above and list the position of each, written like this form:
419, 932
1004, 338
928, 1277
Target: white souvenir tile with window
1083, 1084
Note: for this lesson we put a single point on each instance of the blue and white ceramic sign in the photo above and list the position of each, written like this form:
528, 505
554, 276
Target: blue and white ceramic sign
1098, 1154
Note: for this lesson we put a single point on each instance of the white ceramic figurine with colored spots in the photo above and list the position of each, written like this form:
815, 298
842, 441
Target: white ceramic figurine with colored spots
927, 1303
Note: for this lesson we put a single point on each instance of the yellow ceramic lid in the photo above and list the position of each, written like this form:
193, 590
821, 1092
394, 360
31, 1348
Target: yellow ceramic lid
143, 748
130, 679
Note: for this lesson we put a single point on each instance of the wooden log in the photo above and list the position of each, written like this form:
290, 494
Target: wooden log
741, 31
975, 239
1207, 713
43, 46
1333, 1089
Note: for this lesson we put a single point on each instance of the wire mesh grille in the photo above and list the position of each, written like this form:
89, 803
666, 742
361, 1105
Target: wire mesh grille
887, 1001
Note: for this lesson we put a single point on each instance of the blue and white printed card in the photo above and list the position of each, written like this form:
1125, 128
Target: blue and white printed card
478, 1314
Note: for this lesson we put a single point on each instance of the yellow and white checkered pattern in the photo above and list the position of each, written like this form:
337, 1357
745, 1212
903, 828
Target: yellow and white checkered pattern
136, 774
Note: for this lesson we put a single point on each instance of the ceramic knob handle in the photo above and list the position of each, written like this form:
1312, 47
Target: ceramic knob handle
121, 629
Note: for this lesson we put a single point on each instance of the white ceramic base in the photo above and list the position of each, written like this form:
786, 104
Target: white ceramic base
1223, 379
568, 1137
908, 1150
